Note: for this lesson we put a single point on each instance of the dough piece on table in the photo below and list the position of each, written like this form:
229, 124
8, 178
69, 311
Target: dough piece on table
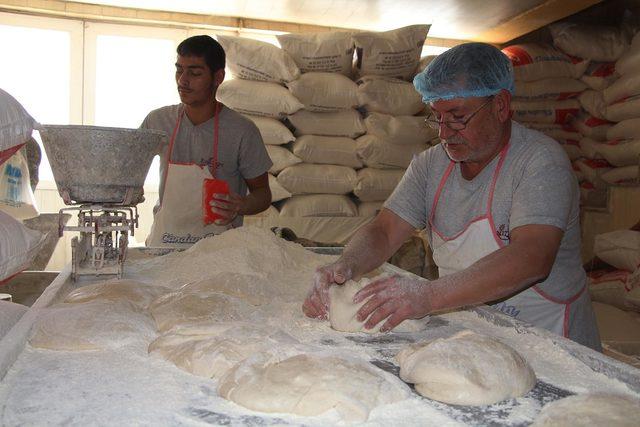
247, 287
211, 356
342, 310
311, 385
92, 325
178, 308
137, 293
590, 410
466, 369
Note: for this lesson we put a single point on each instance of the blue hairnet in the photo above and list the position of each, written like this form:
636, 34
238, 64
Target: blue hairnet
466, 70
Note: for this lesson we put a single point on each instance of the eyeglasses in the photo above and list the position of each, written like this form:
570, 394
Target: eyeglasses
456, 125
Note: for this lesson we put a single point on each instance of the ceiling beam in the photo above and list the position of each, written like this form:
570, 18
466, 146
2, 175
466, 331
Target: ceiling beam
533, 19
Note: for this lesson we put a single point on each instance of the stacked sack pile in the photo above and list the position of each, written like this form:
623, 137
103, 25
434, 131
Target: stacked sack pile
350, 134
610, 155
592, 96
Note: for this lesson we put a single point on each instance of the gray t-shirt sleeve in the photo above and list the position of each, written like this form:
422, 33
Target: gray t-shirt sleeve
408, 200
545, 193
254, 159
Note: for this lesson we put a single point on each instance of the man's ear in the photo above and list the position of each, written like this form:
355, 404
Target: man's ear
218, 77
503, 105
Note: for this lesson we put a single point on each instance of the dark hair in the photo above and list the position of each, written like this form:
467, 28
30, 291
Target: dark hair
206, 47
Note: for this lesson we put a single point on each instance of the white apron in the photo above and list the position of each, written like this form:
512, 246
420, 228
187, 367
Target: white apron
179, 220
477, 240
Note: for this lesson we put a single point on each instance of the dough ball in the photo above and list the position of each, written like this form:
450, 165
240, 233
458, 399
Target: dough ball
342, 310
137, 293
311, 385
466, 369
590, 410
212, 355
178, 308
92, 325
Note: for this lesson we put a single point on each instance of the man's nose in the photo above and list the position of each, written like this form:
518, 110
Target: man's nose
183, 80
445, 131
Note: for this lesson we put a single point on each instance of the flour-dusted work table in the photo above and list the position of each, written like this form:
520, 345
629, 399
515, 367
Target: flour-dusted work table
126, 386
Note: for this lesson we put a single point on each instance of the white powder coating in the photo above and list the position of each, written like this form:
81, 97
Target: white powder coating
91, 325
311, 385
590, 410
343, 311
211, 349
466, 369
139, 294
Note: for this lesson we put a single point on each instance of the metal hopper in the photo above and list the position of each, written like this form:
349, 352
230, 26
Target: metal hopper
100, 165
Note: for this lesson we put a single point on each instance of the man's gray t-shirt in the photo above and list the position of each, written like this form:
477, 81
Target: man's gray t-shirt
241, 152
535, 186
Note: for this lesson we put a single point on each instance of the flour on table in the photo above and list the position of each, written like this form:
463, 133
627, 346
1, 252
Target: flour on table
212, 354
343, 311
590, 410
92, 325
252, 288
137, 293
310, 385
466, 369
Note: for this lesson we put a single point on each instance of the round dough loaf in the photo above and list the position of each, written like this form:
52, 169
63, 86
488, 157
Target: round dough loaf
342, 310
466, 369
590, 410
311, 385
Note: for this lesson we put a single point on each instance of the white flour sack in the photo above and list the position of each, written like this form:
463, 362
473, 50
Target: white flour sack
626, 129
629, 63
545, 111
376, 184
346, 123
272, 131
592, 127
257, 60
626, 86
610, 287
625, 152
555, 131
389, 96
330, 52
600, 75
325, 92
620, 248
595, 42
376, 153
278, 192
281, 158
538, 61
329, 150
18, 246
16, 196
311, 205
16, 125
556, 88
424, 62
623, 175
257, 98
306, 178
592, 169
624, 109
394, 53
401, 130
593, 103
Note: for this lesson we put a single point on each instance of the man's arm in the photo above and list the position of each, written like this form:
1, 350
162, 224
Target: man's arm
528, 259
372, 245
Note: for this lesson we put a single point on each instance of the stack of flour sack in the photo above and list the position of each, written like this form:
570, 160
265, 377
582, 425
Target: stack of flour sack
337, 111
584, 91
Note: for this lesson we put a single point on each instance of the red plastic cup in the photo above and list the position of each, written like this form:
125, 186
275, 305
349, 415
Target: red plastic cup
209, 188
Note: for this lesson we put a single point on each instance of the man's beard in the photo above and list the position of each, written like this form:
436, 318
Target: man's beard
455, 141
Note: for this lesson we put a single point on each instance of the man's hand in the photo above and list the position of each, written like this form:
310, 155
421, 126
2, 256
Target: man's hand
316, 304
394, 298
227, 206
